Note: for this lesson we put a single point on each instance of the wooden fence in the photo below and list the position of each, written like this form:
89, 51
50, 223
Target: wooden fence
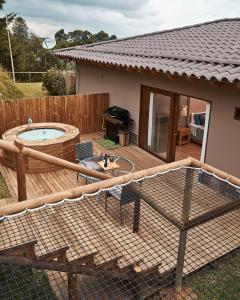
81, 111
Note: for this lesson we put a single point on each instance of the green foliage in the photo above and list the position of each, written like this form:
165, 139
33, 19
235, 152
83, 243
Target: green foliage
219, 281
4, 48
22, 283
80, 37
7, 89
1, 3
28, 53
54, 83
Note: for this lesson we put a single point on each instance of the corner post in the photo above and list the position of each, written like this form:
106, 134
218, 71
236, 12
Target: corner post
72, 286
21, 177
183, 232
137, 210
136, 215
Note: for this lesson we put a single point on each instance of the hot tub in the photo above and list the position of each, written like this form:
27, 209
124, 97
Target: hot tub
56, 139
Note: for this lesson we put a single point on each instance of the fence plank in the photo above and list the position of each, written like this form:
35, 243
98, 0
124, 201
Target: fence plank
81, 111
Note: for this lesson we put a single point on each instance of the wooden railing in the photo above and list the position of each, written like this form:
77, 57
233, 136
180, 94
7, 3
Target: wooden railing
81, 111
183, 225
20, 151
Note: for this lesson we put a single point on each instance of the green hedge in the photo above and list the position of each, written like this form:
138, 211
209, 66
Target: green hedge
54, 83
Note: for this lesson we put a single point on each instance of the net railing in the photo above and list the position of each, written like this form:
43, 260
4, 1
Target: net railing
172, 235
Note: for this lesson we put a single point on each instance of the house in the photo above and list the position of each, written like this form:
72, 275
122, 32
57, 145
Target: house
183, 81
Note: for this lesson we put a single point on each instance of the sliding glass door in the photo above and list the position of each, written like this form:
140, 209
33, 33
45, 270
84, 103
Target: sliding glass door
156, 123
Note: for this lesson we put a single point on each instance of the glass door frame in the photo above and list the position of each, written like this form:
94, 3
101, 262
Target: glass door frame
173, 121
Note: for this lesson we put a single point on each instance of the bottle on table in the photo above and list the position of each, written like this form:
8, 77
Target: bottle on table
105, 161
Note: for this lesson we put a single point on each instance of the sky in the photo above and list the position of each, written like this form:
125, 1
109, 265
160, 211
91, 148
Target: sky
120, 17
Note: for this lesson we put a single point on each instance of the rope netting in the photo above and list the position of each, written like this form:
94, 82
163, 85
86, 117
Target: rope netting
125, 242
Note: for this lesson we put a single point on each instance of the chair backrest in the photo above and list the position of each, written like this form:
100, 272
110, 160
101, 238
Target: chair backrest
128, 194
84, 150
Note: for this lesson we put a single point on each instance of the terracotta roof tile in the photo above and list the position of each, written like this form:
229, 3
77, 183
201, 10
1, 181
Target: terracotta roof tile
208, 50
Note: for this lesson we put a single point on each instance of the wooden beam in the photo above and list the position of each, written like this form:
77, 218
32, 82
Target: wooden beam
8, 146
187, 196
58, 253
48, 265
52, 160
216, 83
88, 189
64, 163
136, 214
72, 286
232, 179
19, 249
210, 215
150, 201
183, 232
21, 176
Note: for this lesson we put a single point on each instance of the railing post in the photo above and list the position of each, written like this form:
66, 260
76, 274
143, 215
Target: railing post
137, 207
72, 286
183, 232
21, 177
136, 215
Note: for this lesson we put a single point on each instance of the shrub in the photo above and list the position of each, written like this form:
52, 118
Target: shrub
7, 88
54, 83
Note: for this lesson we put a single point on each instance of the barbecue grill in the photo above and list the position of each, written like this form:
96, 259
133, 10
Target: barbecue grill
116, 119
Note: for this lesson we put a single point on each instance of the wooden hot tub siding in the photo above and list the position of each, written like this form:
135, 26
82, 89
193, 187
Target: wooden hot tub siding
63, 147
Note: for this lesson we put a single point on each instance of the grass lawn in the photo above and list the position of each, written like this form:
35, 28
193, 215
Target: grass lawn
31, 90
4, 192
220, 281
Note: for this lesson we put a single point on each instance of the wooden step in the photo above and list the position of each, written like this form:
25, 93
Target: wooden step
87, 260
76, 233
23, 234
88, 236
50, 240
59, 254
130, 245
108, 268
24, 249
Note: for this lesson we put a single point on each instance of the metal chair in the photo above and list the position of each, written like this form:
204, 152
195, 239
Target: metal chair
83, 150
125, 195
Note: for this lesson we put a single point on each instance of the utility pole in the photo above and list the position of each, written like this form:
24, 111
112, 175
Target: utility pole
10, 50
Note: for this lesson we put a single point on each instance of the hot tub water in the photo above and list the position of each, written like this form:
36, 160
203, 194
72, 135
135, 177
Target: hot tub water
40, 134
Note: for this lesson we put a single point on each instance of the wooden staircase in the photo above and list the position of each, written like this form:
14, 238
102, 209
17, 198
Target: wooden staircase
78, 240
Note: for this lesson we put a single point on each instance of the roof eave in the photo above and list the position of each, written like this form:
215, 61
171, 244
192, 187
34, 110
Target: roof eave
213, 79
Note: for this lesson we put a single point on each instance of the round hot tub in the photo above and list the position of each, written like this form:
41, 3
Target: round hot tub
52, 138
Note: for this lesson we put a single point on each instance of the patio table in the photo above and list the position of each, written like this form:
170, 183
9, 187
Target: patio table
119, 166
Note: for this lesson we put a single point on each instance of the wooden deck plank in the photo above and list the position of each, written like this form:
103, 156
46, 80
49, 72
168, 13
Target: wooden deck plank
46, 183
96, 229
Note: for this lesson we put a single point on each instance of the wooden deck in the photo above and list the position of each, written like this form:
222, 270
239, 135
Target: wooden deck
46, 183
99, 231
192, 149
85, 228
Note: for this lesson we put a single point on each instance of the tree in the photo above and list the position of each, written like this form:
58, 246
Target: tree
79, 37
4, 47
101, 36
1, 3
20, 45
28, 52
20, 29
61, 39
